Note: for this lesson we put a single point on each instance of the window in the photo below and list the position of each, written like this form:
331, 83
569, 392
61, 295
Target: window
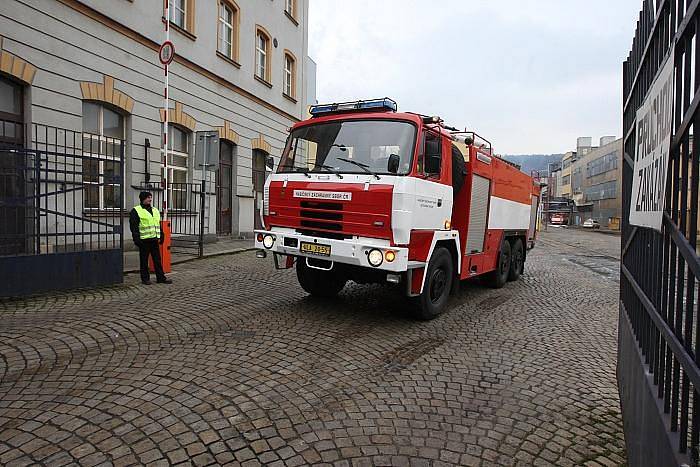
228, 29
289, 75
262, 55
178, 165
181, 15
103, 134
607, 190
289, 7
602, 164
178, 12
566, 180
11, 115
350, 147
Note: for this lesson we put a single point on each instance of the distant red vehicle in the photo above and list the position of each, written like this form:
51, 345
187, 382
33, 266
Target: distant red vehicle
559, 219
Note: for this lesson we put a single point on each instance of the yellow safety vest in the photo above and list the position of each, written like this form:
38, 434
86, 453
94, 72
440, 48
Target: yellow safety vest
149, 225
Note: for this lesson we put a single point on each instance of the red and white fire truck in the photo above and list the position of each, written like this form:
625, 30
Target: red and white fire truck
368, 194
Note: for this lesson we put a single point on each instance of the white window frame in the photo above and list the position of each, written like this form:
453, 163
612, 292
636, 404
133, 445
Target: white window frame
289, 83
172, 7
173, 168
226, 29
261, 58
289, 7
100, 141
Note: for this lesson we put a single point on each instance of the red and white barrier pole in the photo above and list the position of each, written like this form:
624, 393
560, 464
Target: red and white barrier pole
164, 145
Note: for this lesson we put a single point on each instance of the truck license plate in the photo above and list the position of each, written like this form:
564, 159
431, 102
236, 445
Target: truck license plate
316, 249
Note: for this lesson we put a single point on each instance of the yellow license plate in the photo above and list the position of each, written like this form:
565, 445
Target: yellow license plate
316, 249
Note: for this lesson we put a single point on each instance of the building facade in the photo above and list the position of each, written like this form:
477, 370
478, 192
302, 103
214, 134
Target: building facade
91, 67
596, 180
564, 188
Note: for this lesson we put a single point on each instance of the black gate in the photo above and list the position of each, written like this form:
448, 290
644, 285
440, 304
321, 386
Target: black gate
658, 358
188, 213
61, 208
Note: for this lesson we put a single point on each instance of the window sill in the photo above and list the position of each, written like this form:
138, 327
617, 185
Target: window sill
182, 31
289, 97
263, 81
291, 18
228, 59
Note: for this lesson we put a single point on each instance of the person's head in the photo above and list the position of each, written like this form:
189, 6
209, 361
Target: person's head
146, 198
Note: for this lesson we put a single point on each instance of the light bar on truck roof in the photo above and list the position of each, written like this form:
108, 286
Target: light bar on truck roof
373, 104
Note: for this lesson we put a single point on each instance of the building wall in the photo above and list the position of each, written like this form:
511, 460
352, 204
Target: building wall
566, 162
602, 181
71, 42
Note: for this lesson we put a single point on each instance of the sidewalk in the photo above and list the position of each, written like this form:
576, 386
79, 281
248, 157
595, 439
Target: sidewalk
223, 246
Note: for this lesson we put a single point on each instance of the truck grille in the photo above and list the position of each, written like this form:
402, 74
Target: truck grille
318, 217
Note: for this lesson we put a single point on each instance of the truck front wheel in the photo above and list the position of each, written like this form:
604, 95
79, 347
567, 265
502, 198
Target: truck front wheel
320, 283
438, 284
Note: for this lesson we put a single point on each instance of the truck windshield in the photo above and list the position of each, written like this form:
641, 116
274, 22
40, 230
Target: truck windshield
354, 146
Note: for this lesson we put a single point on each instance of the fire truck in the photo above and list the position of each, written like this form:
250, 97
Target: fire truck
368, 194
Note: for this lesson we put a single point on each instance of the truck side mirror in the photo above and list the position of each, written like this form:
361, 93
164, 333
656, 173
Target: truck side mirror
433, 164
269, 163
433, 156
393, 164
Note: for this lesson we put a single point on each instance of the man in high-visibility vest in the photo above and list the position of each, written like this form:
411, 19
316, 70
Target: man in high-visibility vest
144, 221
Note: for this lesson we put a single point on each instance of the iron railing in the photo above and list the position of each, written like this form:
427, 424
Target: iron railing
61, 192
660, 271
188, 212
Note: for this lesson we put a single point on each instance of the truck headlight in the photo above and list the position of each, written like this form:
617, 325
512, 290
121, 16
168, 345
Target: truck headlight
268, 241
375, 257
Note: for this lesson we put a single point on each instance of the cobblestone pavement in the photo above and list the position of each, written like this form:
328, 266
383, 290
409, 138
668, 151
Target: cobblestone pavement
235, 364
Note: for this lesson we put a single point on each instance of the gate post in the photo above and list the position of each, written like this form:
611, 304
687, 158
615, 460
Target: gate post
202, 199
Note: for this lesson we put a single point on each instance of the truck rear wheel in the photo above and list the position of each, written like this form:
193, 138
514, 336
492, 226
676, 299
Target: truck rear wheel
320, 283
438, 284
498, 278
518, 261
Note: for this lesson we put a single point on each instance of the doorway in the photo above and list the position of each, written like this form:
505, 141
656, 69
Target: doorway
224, 189
13, 183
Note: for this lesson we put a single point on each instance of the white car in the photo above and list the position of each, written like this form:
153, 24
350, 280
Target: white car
591, 224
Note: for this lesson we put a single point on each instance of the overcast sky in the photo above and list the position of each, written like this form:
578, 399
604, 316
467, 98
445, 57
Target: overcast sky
530, 75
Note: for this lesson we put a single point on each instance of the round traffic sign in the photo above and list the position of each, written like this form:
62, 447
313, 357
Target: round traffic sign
166, 53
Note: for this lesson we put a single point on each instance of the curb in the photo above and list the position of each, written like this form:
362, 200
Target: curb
195, 258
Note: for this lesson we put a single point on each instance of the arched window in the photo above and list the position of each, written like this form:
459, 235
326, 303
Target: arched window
290, 75
103, 146
178, 166
228, 28
11, 112
290, 8
262, 55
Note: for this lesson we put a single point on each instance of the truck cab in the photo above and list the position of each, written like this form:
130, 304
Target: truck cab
365, 193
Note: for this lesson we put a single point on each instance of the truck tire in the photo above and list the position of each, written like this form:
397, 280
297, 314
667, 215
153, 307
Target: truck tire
320, 283
438, 284
498, 277
517, 263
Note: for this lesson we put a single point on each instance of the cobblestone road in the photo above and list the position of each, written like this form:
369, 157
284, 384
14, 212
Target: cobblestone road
235, 364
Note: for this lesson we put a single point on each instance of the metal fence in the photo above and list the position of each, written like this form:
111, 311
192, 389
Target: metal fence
61, 208
658, 356
189, 207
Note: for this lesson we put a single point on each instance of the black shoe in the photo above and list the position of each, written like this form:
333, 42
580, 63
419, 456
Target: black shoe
146, 282
164, 281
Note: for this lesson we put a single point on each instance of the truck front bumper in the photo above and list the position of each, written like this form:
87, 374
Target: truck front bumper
353, 251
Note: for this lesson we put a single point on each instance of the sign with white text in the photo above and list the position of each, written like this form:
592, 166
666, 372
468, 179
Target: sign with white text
329, 195
654, 129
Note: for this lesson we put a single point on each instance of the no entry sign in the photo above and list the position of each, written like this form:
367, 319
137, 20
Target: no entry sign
653, 141
166, 53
